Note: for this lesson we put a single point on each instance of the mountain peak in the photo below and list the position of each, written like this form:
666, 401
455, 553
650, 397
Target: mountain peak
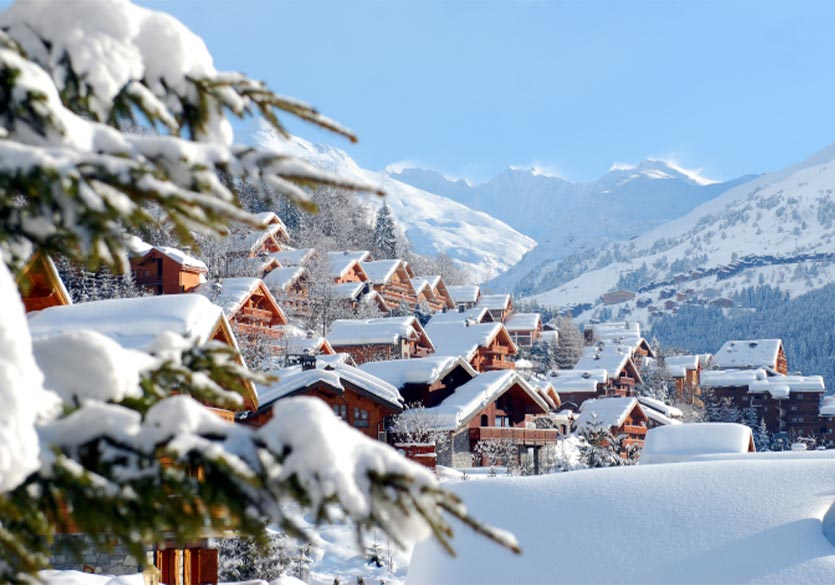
654, 168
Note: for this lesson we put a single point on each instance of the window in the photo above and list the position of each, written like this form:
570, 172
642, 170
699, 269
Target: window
796, 419
485, 420
502, 421
360, 418
794, 407
341, 411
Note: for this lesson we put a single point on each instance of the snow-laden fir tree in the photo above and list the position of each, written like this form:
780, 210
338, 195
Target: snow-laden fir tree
569, 343
82, 440
385, 234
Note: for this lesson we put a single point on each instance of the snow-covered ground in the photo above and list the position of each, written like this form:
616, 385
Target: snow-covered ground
724, 519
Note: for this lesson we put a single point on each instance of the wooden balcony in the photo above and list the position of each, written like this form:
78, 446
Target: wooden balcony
519, 436
634, 430
498, 365
254, 314
259, 330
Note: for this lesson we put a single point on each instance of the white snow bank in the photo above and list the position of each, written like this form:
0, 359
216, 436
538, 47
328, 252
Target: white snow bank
670, 444
740, 521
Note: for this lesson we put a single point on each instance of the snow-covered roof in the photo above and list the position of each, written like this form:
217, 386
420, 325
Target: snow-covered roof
827, 407
419, 284
229, 293
495, 302
473, 314
269, 218
608, 356
335, 375
341, 262
751, 353
379, 331
432, 280
606, 412
464, 293
348, 290
574, 381
658, 406
140, 248
425, 370
731, 378
291, 257
461, 339
781, 386
659, 418
676, 443
470, 398
133, 323
677, 365
523, 322
283, 278
614, 330
381, 271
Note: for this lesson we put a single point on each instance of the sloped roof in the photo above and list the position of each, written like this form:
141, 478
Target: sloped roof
473, 314
232, 293
673, 443
658, 406
133, 323
379, 331
464, 293
607, 412
425, 370
139, 248
348, 290
627, 333
677, 365
611, 357
782, 386
523, 322
381, 271
283, 278
660, 418
419, 284
470, 398
495, 302
459, 339
335, 375
291, 257
751, 353
341, 262
570, 381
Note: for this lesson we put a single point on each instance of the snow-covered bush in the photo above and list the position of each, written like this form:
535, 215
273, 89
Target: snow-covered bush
92, 435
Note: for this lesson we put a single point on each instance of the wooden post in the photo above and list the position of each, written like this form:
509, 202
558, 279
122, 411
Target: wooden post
169, 561
201, 566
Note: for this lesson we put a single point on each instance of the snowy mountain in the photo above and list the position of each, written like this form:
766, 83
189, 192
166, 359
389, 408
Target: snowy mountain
481, 244
776, 229
573, 218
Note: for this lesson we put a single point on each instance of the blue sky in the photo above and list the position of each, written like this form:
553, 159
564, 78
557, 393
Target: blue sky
470, 88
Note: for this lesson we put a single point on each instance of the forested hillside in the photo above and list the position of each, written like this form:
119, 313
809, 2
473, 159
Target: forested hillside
806, 324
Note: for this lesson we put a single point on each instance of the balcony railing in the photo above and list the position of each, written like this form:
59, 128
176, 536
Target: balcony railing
634, 430
519, 436
254, 314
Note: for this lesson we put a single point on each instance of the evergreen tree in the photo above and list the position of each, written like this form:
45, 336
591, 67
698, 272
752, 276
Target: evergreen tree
385, 233
569, 343
74, 183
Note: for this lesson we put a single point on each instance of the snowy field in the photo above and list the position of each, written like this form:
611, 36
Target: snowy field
734, 519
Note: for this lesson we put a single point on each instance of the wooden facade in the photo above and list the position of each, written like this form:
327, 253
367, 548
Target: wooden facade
496, 354
164, 275
40, 284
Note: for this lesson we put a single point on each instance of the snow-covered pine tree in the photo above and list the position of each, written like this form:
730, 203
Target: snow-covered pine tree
762, 438
385, 233
92, 440
569, 343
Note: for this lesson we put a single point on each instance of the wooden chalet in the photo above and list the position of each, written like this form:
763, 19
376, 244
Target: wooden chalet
789, 404
466, 296
752, 353
269, 239
485, 346
166, 271
686, 371
360, 399
383, 338
576, 386
625, 334
616, 359
294, 256
426, 381
432, 292
290, 287
498, 405
621, 416
347, 266
355, 295
40, 285
136, 323
617, 297
525, 328
499, 305
463, 316
439, 291
659, 413
248, 304
391, 279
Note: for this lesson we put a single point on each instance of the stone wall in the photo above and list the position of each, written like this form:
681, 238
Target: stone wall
78, 552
